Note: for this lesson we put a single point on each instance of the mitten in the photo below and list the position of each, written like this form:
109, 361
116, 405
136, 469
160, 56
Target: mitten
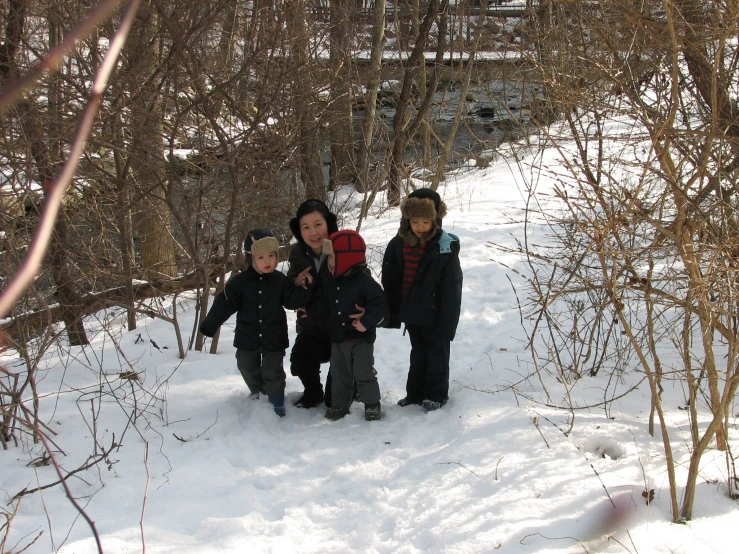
328, 250
206, 330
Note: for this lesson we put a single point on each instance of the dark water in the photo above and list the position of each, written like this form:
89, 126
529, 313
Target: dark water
493, 112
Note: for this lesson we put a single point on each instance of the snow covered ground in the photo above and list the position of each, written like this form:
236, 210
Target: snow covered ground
203, 469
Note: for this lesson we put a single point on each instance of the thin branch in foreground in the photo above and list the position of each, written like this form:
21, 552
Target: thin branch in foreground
93, 462
55, 57
55, 191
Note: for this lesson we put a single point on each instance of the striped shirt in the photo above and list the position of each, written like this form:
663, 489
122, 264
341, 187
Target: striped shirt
412, 256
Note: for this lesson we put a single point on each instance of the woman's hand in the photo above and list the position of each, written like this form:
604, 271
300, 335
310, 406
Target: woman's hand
356, 323
304, 278
358, 326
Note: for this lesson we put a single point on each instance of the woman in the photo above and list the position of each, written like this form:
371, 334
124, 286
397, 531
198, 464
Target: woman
312, 223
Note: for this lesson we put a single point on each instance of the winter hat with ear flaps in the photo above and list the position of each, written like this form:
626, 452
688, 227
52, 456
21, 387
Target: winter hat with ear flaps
424, 204
348, 249
308, 207
421, 204
259, 242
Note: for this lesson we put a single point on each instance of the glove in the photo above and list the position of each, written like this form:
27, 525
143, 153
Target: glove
206, 330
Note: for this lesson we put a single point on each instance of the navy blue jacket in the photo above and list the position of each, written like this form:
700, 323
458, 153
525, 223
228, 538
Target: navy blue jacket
355, 288
435, 296
257, 300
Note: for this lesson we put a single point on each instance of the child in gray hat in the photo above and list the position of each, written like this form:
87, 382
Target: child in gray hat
259, 295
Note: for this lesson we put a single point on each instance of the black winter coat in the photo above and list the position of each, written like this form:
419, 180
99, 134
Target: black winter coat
301, 257
258, 301
435, 296
355, 288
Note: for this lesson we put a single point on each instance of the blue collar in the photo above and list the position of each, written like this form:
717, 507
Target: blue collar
445, 242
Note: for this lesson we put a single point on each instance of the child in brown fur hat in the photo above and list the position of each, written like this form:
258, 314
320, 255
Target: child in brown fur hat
422, 279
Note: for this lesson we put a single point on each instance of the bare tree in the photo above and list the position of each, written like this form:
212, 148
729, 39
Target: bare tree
645, 231
406, 120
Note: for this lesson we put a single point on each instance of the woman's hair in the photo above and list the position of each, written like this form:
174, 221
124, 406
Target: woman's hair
308, 207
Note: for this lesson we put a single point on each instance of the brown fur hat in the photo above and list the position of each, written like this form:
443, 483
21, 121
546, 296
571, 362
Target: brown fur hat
421, 204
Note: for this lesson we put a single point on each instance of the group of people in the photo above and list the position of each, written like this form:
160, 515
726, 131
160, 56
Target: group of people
340, 306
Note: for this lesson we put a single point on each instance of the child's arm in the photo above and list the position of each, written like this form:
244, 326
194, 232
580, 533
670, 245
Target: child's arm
375, 307
450, 292
392, 276
224, 306
293, 296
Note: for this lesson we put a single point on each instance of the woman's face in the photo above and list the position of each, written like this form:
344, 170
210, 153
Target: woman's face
313, 229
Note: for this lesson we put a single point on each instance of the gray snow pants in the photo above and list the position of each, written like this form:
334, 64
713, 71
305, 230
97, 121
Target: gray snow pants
353, 361
262, 370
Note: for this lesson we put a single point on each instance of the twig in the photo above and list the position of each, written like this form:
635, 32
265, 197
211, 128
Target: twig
63, 482
30, 544
648, 493
63, 479
459, 464
496, 467
535, 421
554, 539
614, 539
211, 425
586, 407
146, 494
632, 541
602, 484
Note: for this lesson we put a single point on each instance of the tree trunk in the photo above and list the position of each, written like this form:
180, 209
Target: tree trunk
46, 153
341, 108
309, 151
466, 74
152, 219
403, 125
370, 102
125, 224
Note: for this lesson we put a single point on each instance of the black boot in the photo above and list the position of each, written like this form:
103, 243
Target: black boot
313, 394
372, 412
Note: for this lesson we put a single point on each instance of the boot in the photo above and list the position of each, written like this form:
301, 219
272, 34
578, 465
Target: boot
278, 403
372, 412
403, 402
313, 394
335, 414
432, 405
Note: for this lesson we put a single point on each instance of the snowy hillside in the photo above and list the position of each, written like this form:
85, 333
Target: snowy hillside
199, 468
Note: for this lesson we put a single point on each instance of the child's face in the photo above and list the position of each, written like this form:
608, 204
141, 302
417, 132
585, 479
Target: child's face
313, 229
265, 263
421, 226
